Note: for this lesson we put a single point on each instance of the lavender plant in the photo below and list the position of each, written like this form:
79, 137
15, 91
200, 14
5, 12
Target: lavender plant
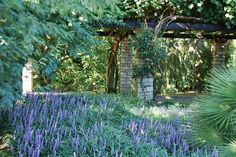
80, 125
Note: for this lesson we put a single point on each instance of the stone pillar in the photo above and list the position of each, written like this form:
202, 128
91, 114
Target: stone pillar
218, 52
144, 85
233, 55
27, 79
125, 66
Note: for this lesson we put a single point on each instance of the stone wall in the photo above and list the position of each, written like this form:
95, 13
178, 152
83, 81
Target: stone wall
233, 55
218, 50
125, 66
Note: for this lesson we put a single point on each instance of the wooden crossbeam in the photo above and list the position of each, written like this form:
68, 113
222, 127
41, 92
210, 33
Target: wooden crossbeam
175, 26
181, 35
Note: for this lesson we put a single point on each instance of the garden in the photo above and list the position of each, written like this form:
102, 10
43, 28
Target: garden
117, 78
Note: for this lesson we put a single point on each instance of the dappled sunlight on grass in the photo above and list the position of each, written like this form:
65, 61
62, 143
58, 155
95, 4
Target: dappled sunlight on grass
160, 112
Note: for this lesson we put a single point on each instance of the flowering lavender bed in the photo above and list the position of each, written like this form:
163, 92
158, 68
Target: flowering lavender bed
79, 125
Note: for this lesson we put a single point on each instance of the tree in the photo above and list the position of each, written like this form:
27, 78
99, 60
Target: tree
44, 31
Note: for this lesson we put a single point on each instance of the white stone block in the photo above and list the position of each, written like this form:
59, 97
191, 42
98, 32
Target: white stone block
27, 82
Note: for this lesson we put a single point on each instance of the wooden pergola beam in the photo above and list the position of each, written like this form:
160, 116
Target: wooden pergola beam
181, 35
175, 26
200, 36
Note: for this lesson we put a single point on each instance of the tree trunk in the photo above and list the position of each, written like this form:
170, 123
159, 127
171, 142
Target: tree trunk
112, 67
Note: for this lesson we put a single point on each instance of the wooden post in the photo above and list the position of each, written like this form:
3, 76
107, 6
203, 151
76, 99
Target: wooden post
112, 66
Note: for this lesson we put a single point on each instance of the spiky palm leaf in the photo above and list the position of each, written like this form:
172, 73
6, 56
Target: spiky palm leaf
204, 135
216, 109
228, 150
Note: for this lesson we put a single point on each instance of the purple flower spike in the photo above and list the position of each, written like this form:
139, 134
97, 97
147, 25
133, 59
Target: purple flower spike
132, 126
117, 154
174, 151
198, 152
215, 153
30, 150
168, 142
154, 153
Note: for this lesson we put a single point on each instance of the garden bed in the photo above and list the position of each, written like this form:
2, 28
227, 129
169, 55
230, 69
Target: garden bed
97, 125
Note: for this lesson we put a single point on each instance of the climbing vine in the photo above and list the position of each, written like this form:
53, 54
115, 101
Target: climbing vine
149, 52
211, 11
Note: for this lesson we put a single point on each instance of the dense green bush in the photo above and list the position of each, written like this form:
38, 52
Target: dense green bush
86, 72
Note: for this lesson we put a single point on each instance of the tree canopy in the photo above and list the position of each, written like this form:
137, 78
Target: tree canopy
212, 11
45, 31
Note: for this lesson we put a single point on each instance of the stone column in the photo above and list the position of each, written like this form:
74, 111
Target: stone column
144, 85
27, 79
233, 55
218, 49
125, 67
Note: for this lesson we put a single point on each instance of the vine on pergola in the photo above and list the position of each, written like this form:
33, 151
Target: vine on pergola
210, 11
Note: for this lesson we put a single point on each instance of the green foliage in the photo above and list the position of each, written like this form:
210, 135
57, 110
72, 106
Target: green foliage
144, 8
186, 66
150, 52
213, 11
228, 150
215, 111
85, 73
15, 46
43, 31
6, 134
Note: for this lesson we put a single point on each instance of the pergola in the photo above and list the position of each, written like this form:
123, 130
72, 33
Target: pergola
181, 27
175, 29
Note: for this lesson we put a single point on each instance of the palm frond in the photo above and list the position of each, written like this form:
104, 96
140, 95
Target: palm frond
228, 150
216, 109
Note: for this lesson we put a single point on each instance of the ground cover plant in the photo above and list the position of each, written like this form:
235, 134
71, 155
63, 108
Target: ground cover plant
97, 125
